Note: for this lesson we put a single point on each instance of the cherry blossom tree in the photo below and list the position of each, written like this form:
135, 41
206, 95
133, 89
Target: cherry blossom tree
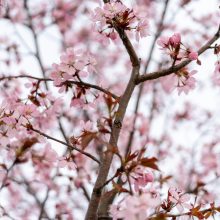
109, 109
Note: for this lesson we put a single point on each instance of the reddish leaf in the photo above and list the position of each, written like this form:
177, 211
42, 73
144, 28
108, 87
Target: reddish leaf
131, 156
3, 166
118, 187
86, 138
150, 162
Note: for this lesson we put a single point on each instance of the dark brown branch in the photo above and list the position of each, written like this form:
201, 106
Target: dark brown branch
108, 156
86, 194
123, 103
24, 76
95, 87
68, 145
129, 47
158, 33
81, 83
173, 69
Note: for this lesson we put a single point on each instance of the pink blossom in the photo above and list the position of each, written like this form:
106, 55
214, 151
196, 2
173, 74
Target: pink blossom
66, 162
50, 154
179, 199
216, 74
182, 80
175, 39
2, 174
135, 207
140, 177
163, 42
77, 103
73, 64
141, 30
116, 13
28, 110
186, 81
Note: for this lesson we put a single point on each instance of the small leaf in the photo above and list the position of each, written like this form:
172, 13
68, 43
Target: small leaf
149, 162
207, 214
3, 166
118, 187
130, 156
86, 138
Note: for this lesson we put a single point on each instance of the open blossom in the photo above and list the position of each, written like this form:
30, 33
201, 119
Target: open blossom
16, 11
169, 42
216, 74
180, 199
28, 110
66, 162
186, 82
140, 178
50, 154
116, 14
141, 29
175, 39
182, 80
17, 116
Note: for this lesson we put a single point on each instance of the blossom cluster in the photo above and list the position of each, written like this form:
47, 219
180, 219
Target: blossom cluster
73, 65
14, 10
63, 14
18, 121
140, 206
116, 15
174, 47
183, 80
136, 207
177, 198
16, 115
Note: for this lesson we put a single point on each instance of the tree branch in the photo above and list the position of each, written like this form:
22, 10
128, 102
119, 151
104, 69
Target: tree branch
173, 69
68, 145
106, 201
123, 103
81, 83
158, 33
36, 44
108, 156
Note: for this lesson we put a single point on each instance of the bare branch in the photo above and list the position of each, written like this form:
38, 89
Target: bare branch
36, 43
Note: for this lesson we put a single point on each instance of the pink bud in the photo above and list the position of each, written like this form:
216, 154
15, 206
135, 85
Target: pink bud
193, 55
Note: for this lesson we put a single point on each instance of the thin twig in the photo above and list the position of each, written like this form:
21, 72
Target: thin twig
68, 145
81, 83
